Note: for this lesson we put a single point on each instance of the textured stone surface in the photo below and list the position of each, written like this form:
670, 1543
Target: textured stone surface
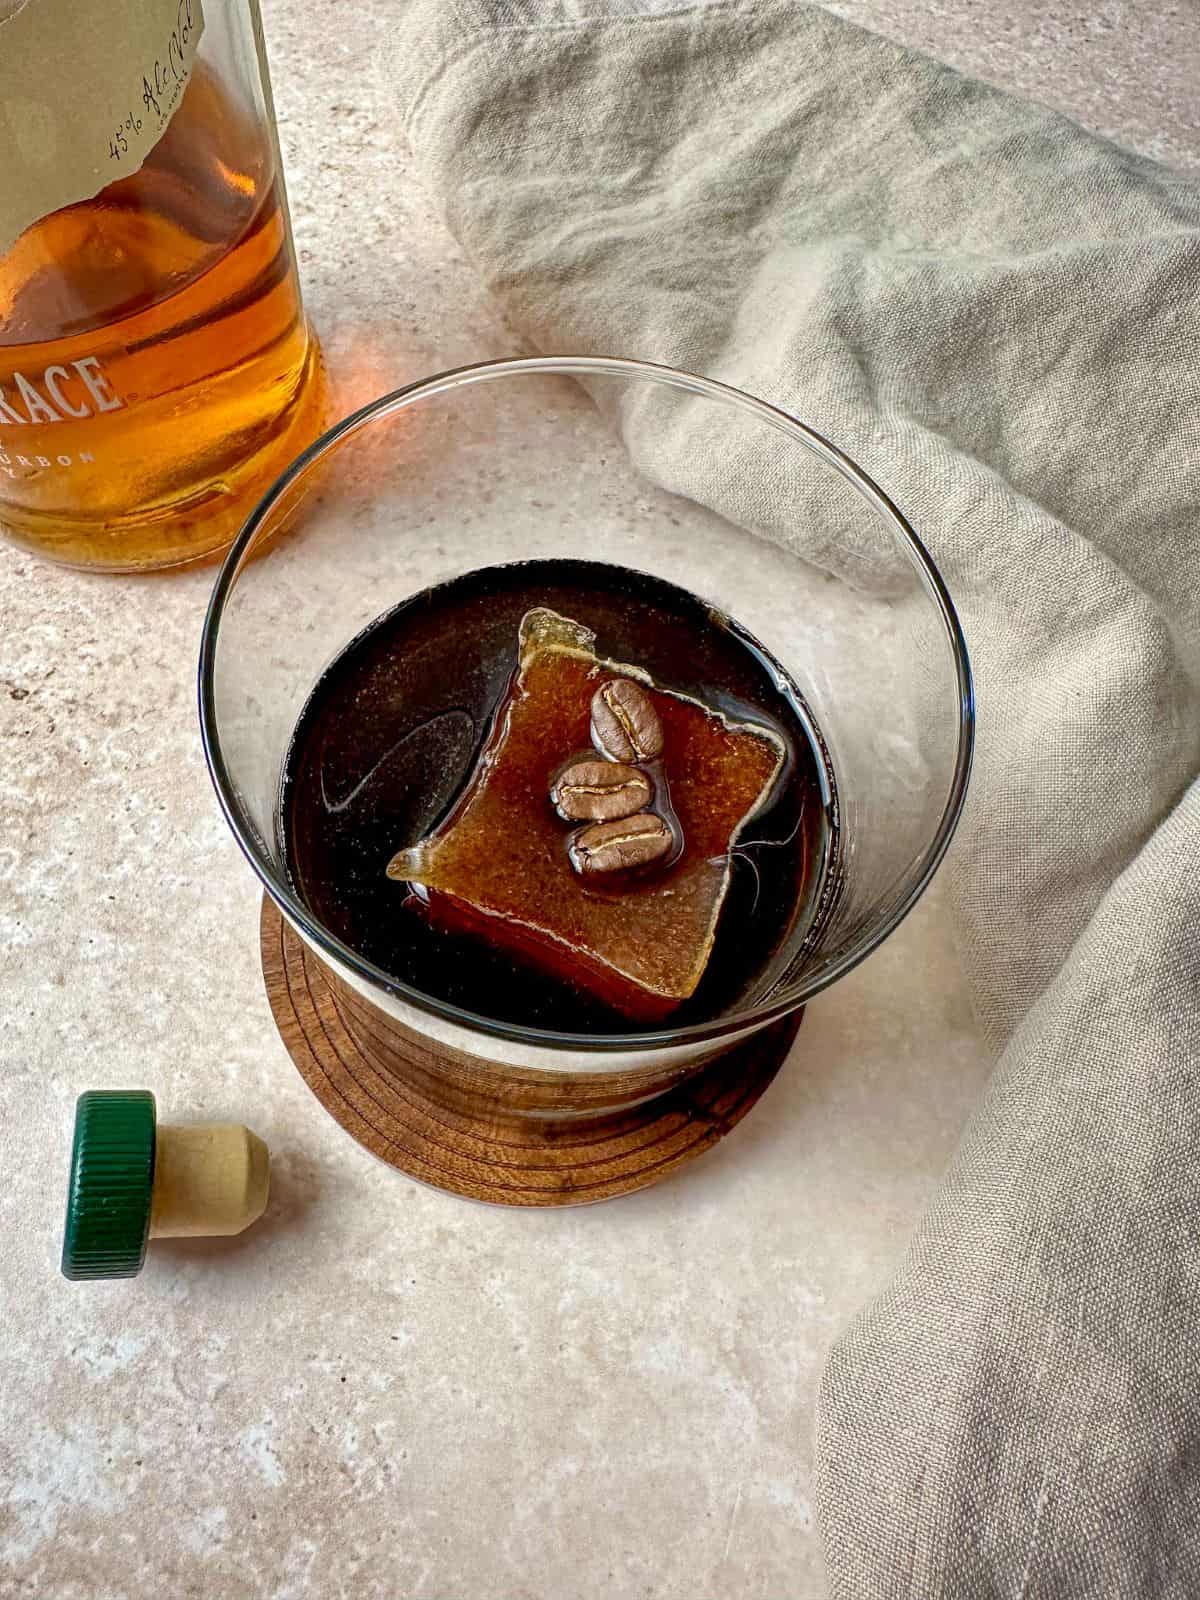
382, 1391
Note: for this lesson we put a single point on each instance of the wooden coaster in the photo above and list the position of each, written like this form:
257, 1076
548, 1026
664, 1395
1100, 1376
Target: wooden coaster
524, 1162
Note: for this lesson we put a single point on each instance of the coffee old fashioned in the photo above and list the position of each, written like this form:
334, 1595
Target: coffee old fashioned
602, 924
562, 794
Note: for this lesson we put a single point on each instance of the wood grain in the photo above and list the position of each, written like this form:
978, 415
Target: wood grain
385, 1086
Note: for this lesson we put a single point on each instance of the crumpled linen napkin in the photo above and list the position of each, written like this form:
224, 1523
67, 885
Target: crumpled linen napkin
996, 313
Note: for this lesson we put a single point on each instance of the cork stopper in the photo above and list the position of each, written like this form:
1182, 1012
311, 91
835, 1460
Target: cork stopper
132, 1181
210, 1181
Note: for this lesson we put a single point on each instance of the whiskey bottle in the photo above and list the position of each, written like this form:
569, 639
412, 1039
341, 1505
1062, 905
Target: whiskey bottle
156, 367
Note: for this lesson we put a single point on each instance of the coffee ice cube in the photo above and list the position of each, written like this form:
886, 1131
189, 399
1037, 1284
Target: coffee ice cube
499, 865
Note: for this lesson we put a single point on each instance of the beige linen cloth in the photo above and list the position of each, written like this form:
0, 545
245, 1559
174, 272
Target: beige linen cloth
996, 313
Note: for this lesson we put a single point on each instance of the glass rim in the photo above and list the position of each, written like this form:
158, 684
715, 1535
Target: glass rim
294, 909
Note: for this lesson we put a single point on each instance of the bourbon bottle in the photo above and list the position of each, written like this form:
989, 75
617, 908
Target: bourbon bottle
156, 367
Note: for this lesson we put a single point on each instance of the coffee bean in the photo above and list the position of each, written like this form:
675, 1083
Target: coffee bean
620, 846
600, 791
625, 725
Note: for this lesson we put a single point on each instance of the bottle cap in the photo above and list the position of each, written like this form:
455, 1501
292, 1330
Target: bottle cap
111, 1185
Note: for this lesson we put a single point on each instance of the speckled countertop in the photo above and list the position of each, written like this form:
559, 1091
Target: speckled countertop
382, 1391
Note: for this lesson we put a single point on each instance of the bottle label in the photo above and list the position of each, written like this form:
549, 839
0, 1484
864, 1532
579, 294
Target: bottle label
87, 88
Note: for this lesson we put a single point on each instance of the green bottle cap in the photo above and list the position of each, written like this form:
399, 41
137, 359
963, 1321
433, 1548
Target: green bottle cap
112, 1178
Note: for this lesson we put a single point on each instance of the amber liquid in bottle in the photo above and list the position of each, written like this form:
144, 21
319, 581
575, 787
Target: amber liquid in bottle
156, 369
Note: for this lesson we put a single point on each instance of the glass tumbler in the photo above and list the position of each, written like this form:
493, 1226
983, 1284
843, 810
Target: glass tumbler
705, 487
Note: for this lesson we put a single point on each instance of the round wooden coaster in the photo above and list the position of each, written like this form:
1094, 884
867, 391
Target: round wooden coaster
519, 1163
